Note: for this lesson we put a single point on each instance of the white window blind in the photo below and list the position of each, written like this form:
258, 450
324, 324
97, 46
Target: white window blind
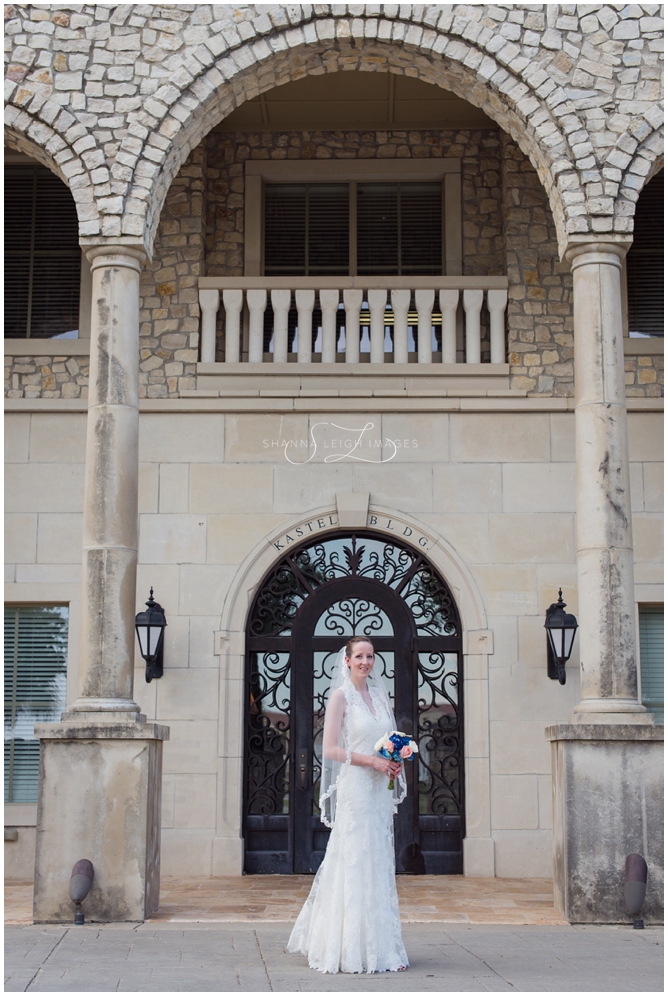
42, 255
35, 689
651, 658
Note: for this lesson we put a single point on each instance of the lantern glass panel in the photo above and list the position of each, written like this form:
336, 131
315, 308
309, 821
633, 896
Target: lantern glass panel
569, 636
154, 634
142, 636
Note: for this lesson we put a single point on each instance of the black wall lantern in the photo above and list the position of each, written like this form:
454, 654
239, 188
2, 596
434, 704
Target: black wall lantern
560, 627
150, 626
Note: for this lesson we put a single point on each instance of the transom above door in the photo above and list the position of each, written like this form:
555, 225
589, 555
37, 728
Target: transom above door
313, 600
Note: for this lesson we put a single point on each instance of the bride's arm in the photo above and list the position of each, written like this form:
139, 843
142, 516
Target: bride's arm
336, 708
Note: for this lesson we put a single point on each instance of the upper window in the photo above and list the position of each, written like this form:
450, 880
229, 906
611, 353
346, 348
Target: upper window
35, 689
42, 255
317, 229
644, 263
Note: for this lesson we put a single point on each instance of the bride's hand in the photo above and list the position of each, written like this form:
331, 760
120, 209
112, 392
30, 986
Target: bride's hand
385, 766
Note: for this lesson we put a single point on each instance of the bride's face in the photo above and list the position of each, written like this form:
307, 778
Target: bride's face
362, 660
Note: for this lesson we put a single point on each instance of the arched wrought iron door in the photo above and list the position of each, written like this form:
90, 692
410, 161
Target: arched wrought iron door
313, 600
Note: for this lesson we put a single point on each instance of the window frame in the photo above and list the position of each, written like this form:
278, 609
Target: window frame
260, 172
25, 813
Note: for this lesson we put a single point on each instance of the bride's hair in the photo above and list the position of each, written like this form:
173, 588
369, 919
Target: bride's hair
352, 641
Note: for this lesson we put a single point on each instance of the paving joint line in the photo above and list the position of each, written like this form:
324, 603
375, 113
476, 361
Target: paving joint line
486, 964
56, 945
266, 970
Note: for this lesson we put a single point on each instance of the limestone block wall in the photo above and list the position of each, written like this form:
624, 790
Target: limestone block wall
497, 486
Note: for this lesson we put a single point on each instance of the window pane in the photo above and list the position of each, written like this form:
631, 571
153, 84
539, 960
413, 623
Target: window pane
377, 228
421, 227
35, 690
42, 254
651, 659
328, 228
284, 228
644, 262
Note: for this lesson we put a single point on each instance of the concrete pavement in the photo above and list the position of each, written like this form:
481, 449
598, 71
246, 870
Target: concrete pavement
245, 957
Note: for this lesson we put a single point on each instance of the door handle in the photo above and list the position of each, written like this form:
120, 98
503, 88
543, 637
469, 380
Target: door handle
302, 770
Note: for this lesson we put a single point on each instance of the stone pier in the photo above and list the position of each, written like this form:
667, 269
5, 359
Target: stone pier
607, 770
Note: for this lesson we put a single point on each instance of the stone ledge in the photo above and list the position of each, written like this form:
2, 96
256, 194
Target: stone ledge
250, 401
47, 347
604, 731
643, 347
101, 731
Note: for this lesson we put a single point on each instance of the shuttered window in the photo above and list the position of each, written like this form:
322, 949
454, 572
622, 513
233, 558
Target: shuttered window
651, 658
644, 263
399, 229
307, 229
35, 689
395, 228
42, 255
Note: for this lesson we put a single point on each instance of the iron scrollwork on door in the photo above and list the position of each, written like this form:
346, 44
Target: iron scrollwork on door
282, 673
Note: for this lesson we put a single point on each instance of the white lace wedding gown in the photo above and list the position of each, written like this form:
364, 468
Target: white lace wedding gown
350, 921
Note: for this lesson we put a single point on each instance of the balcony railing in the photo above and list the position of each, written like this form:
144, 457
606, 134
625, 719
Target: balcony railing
354, 319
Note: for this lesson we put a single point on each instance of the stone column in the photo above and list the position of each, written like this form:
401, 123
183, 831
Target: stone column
609, 684
100, 767
606, 764
106, 654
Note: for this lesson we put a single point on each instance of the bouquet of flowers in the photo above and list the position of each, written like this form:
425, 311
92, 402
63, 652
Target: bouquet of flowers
397, 747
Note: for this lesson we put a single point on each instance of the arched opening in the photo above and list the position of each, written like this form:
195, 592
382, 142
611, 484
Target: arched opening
308, 605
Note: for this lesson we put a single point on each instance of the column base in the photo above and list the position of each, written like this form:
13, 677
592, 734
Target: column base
607, 793
616, 711
99, 798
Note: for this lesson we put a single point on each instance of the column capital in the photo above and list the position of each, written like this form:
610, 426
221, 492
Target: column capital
116, 254
616, 247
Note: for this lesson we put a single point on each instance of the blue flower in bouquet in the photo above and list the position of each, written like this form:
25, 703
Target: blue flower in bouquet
396, 746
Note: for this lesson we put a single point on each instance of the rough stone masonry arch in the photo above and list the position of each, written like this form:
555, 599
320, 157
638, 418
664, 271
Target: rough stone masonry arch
131, 89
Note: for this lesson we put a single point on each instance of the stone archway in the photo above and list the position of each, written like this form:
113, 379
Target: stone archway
477, 644
524, 66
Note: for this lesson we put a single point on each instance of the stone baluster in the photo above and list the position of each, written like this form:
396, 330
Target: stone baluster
377, 301
305, 300
608, 675
449, 299
352, 301
424, 302
472, 307
280, 303
257, 304
401, 300
233, 302
329, 305
497, 301
209, 302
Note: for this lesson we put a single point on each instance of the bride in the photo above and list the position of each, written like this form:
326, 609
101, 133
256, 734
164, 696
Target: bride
350, 921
